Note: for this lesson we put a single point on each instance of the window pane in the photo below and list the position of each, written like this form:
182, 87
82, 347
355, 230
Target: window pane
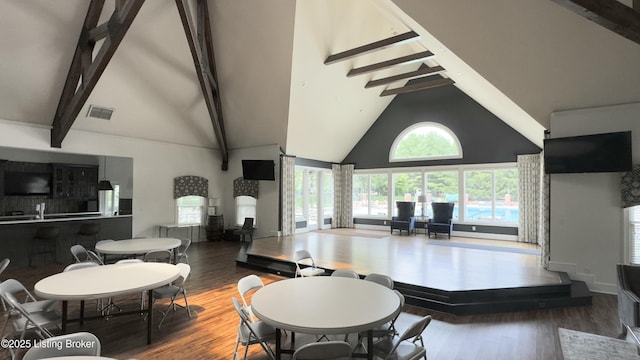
327, 195
634, 233
298, 185
506, 195
478, 195
190, 209
426, 140
406, 187
442, 186
245, 207
360, 194
379, 195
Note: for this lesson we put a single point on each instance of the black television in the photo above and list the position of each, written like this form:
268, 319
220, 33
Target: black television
258, 170
609, 152
26, 183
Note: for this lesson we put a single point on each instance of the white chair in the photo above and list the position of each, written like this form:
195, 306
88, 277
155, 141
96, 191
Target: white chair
381, 279
14, 288
386, 329
86, 264
404, 346
3, 266
181, 252
173, 290
247, 285
41, 317
163, 256
133, 261
250, 333
79, 253
327, 350
64, 345
303, 257
345, 273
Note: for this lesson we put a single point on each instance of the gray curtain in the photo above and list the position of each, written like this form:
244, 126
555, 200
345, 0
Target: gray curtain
630, 187
242, 187
288, 195
190, 185
544, 236
529, 192
342, 189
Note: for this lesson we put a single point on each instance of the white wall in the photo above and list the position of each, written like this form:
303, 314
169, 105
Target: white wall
587, 219
155, 165
267, 217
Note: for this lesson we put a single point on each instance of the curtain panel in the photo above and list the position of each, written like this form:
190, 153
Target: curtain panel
342, 189
190, 185
288, 195
242, 187
630, 187
529, 191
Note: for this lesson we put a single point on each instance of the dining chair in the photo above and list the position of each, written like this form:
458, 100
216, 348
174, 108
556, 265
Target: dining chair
163, 256
172, 291
134, 261
80, 253
3, 266
250, 333
348, 273
381, 279
82, 265
303, 257
326, 350
65, 345
246, 229
36, 316
14, 288
404, 346
247, 286
181, 252
386, 329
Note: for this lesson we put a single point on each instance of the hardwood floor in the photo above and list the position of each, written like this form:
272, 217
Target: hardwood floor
211, 333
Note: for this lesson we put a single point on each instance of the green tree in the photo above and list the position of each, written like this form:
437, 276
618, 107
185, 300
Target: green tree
425, 145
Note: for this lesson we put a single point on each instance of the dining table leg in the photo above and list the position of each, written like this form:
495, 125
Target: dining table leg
278, 344
370, 344
149, 315
65, 306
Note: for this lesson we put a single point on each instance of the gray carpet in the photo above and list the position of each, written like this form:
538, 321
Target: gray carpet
577, 345
484, 247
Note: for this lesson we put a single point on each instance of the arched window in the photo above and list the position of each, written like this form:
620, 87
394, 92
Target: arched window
425, 141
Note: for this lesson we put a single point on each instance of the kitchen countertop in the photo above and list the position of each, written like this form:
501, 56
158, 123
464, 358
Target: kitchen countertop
29, 219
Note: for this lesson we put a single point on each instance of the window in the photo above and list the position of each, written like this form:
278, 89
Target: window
246, 207
491, 195
425, 141
110, 200
190, 210
634, 235
442, 186
370, 195
407, 187
327, 194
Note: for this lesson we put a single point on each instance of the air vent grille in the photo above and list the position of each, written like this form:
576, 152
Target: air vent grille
100, 112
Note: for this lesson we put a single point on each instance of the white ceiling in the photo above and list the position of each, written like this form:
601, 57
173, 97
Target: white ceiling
522, 60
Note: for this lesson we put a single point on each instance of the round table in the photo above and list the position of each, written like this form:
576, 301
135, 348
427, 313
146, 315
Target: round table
137, 246
106, 281
324, 305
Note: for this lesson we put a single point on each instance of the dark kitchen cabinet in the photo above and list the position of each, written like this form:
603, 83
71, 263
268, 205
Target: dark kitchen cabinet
78, 182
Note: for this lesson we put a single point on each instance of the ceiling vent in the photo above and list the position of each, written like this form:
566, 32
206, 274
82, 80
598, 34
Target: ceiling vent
100, 112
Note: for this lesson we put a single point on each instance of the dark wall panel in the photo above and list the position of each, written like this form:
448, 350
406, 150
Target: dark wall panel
484, 137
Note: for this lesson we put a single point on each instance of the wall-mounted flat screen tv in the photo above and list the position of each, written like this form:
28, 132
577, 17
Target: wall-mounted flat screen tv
26, 183
610, 152
258, 170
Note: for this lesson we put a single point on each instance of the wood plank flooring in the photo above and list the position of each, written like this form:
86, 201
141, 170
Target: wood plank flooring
211, 333
417, 260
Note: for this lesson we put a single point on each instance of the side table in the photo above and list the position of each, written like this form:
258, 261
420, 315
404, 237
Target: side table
421, 223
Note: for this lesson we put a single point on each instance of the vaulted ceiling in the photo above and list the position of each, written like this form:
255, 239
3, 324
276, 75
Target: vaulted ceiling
521, 60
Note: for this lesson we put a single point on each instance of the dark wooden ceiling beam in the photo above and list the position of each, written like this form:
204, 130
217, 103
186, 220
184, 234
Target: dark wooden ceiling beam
199, 39
75, 92
610, 14
422, 85
424, 71
421, 56
374, 46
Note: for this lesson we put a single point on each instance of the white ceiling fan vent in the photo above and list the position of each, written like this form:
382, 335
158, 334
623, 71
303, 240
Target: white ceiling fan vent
100, 112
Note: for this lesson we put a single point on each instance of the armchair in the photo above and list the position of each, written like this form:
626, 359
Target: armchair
442, 221
405, 219
628, 296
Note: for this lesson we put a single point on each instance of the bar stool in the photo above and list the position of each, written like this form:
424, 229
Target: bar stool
44, 242
88, 235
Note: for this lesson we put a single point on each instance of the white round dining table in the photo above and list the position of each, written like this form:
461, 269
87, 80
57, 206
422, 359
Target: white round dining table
137, 246
106, 281
324, 305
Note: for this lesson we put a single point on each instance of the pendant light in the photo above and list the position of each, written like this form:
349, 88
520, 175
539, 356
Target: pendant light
104, 184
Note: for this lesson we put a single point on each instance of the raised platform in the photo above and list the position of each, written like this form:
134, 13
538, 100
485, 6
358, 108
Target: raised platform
459, 280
